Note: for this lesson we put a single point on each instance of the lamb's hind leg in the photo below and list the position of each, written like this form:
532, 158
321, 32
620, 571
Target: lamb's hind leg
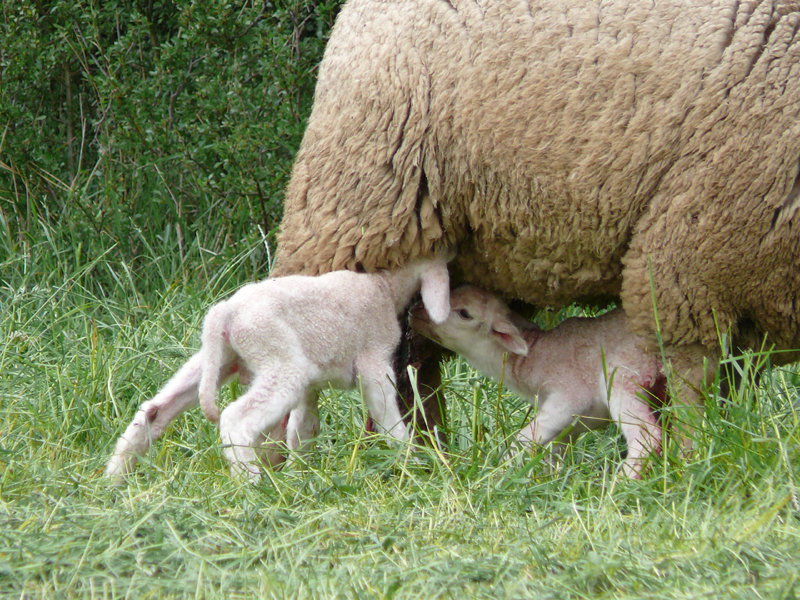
302, 424
245, 423
178, 395
295, 433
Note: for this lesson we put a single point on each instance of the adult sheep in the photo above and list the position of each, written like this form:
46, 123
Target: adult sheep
569, 148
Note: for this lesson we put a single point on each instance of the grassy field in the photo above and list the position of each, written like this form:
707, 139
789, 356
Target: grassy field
83, 341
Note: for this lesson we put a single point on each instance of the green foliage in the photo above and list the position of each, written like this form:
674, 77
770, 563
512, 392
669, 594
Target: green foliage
152, 123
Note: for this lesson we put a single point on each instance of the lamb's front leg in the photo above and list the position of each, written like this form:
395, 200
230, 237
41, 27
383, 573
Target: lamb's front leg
638, 423
378, 388
557, 419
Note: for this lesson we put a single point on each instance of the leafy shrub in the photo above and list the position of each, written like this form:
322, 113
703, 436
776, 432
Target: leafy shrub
154, 122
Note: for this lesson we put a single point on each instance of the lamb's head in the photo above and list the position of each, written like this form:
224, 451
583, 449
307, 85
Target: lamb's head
479, 325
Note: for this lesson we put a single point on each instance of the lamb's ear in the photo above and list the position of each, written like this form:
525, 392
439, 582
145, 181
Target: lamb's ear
435, 290
509, 337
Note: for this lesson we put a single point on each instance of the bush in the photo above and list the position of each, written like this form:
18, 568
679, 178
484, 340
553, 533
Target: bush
126, 124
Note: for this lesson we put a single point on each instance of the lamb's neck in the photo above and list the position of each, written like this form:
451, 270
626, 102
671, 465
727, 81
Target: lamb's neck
402, 284
531, 335
511, 371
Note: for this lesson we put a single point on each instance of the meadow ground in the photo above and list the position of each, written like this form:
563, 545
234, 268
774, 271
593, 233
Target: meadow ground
83, 342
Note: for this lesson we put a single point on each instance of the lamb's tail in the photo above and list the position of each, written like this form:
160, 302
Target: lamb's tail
215, 347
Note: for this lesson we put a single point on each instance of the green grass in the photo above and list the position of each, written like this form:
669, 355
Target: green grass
83, 341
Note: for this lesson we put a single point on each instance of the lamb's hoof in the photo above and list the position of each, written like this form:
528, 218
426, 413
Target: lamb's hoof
249, 471
117, 470
633, 469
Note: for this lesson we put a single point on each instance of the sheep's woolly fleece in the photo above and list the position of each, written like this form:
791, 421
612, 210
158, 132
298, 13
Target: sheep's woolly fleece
573, 148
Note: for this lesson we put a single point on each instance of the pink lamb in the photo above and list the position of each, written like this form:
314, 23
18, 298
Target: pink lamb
561, 370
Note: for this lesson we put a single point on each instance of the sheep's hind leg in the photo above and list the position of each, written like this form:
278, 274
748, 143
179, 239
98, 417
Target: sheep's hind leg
302, 425
244, 424
430, 415
689, 368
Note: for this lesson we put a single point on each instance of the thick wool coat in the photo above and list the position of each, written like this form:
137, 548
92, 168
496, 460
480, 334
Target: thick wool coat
569, 148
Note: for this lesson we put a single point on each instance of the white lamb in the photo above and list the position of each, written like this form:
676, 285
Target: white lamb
288, 337
562, 368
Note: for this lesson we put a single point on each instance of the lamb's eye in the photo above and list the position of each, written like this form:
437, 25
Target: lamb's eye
464, 314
